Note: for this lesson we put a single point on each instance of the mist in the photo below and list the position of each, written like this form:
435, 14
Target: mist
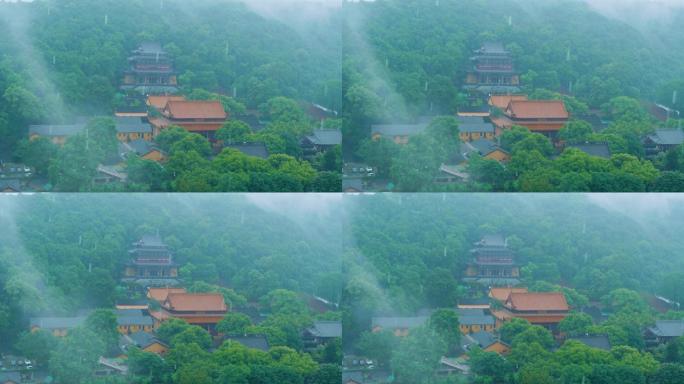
18, 21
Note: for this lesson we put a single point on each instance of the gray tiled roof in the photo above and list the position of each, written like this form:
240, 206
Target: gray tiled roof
326, 137
399, 322
144, 339
594, 149
668, 136
398, 129
57, 322
476, 320
251, 149
668, 328
255, 341
56, 130
470, 312
132, 125
11, 184
484, 147
596, 341
141, 147
326, 329
484, 339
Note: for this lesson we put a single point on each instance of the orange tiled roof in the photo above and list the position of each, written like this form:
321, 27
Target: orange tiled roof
159, 102
200, 302
502, 294
537, 109
537, 301
502, 101
195, 110
160, 294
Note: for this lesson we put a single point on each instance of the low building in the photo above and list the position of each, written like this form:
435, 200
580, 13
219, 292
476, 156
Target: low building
11, 377
321, 140
109, 174
398, 133
321, 333
58, 134
146, 341
399, 326
664, 331
490, 150
130, 321
475, 320
250, 341
111, 367
353, 185
486, 341
601, 150
594, 341
475, 128
132, 128
251, 149
663, 140
58, 326
10, 186
145, 150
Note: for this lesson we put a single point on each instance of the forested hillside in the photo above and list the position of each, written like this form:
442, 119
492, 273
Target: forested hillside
63, 253
67, 58
407, 60
405, 262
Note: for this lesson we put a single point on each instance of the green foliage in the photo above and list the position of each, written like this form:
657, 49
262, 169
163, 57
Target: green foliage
75, 358
575, 324
378, 346
445, 323
37, 345
417, 356
234, 324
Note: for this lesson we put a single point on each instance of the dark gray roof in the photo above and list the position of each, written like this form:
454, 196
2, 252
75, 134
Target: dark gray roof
493, 240
493, 47
477, 301
326, 137
595, 341
142, 147
132, 125
151, 240
476, 320
668, 136
251, 149
470, 311
150, 47
326, 329
470, 120
399, 322
398, 129
352, 184
56, 130
129, 312
11, 184
594, 149
255, 341
144, 339
13, 376
352, 376
484, 339
485, 147
668, 328
57, 322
